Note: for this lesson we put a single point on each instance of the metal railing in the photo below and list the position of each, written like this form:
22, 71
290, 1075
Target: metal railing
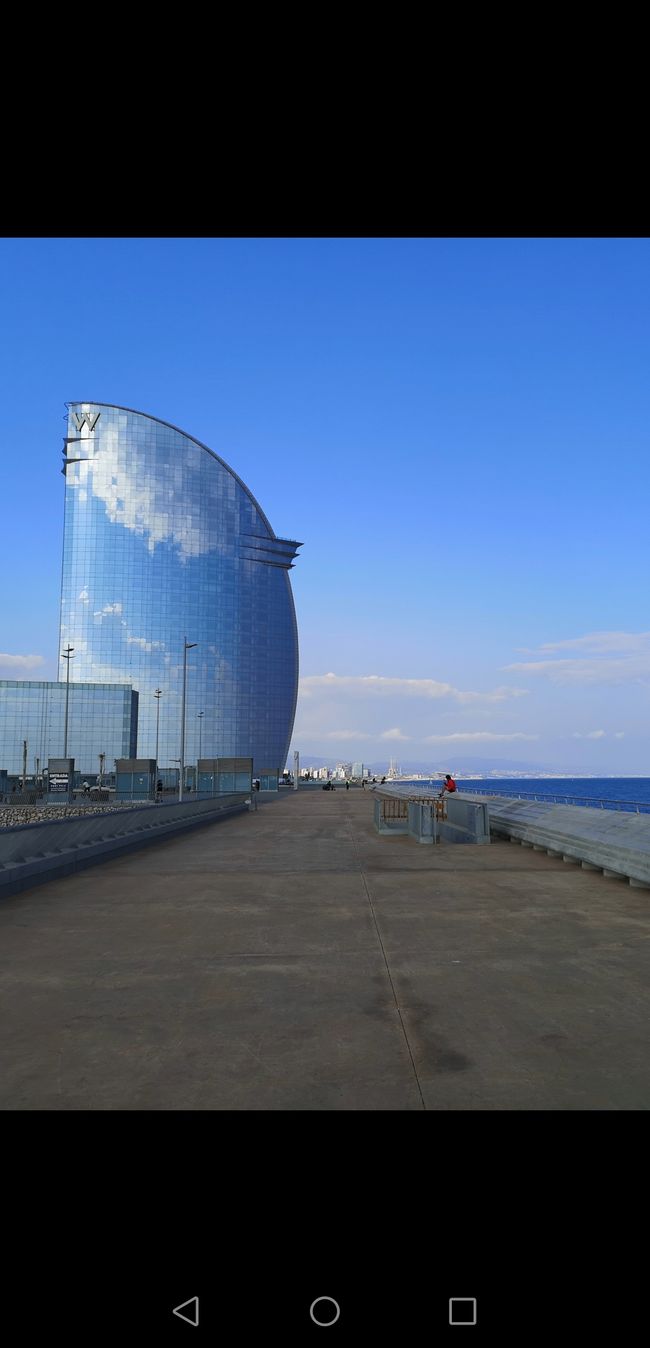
391, 808
559, 798
411, 794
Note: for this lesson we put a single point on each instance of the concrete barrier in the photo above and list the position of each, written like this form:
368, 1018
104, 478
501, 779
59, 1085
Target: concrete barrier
467, 821
612, 841
422, 822
31, 854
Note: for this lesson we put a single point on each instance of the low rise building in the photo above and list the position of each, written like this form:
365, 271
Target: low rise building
102, 719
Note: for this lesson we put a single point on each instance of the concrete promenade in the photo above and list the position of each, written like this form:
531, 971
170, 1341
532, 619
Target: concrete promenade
293, 959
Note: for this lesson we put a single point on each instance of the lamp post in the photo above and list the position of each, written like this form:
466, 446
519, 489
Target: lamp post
187, 646
68, 655
157, 695
199, 717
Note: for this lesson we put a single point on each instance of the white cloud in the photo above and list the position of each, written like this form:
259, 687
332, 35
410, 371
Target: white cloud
602, 643
589, 735
477, 735
158, 507
346, 735
370, 701
619, 735
378, 684
605, 658
144, 644
94, 670
21, 662
84, 596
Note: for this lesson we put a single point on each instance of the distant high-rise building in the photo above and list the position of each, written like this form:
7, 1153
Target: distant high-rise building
163, 543
357, 769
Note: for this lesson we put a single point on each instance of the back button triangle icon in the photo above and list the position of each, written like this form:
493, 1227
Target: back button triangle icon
188, 1311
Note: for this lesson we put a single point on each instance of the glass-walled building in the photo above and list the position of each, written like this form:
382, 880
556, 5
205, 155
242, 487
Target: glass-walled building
162, 543
102, 718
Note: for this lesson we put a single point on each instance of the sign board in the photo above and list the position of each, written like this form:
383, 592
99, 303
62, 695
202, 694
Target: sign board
59, 781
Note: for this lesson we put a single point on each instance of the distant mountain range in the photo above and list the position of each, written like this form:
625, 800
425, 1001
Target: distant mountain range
473, 765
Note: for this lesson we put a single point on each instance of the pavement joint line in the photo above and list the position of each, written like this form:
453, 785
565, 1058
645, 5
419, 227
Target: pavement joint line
385, 958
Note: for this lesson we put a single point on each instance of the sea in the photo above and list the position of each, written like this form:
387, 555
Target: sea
608, 793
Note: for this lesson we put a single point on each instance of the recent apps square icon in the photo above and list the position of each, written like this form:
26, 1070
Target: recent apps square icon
462, 1310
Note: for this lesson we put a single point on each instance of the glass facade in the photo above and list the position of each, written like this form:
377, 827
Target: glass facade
162, 543
102, 718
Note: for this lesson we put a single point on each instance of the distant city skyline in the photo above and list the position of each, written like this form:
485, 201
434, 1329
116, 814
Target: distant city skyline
456, 428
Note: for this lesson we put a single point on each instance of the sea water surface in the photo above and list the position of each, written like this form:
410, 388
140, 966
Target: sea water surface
608, 793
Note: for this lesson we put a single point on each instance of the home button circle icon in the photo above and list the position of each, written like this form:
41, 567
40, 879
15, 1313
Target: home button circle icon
325, 1311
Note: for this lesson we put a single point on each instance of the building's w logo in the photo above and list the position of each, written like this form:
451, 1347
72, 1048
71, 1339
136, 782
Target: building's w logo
91, 421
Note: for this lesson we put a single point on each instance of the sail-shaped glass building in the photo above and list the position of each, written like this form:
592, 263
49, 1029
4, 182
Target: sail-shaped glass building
163, 543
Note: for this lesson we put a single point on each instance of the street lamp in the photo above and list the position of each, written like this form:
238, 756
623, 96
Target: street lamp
199, 717
157, 695
187, 646
67, 654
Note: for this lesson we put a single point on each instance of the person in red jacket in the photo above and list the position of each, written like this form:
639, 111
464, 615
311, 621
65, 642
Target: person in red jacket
448, 785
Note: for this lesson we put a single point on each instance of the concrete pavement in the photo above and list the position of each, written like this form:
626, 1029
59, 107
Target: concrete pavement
293, 959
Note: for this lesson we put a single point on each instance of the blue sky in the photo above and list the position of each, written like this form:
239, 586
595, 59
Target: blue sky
457, 429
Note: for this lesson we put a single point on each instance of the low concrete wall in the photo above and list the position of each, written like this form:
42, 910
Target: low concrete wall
467, 821
612, 841
35, 853
422, 822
